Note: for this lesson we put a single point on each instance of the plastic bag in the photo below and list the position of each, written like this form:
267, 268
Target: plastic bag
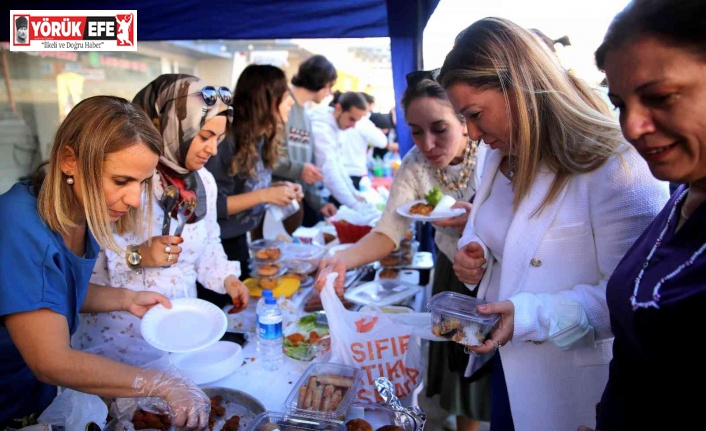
74, 410
372, 342
279, 213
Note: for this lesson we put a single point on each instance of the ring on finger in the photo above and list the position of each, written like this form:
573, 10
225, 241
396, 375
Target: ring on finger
168, 249
169, 257
496, 344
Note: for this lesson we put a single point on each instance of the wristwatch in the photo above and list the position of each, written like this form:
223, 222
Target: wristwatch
133, 256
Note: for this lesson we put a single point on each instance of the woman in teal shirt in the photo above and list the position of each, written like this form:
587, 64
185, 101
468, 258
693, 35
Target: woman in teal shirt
103, 158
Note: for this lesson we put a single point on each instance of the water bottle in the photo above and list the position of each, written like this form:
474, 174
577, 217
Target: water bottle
270, 334
258, 311
387, 164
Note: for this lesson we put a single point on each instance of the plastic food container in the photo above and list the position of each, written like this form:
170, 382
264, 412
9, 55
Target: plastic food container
379, 415
454, 317
297, 266
325, 390
270, 421
572, 330
266, 249
267, 269
311, 253
381, 292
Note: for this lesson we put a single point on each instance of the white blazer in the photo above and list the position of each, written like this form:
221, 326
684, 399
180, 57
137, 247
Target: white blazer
569, 249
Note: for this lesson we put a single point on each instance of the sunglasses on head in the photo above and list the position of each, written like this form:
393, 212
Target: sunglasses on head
419, 75
211, 94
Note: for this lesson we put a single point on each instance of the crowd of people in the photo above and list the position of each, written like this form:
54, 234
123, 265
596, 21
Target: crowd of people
566, 213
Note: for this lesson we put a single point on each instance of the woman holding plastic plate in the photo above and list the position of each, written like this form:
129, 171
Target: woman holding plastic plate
443, 157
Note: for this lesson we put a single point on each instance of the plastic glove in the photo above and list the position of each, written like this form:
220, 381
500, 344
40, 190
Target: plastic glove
189, 405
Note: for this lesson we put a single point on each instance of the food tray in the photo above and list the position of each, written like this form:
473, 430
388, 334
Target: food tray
236, 403
421, 260
381, 292
325, 390
271, 421
454, 317
265, 244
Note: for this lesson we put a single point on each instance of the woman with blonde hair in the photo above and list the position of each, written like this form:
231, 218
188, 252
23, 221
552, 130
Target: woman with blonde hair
103, 159
562, 198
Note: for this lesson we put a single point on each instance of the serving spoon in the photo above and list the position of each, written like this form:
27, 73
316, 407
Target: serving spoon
169, 200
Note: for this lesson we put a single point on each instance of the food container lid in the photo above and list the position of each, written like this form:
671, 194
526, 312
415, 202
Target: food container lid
299, 266
461, 306
255, 265
292, 250
261, 244
381, 292
343, 380
264, 422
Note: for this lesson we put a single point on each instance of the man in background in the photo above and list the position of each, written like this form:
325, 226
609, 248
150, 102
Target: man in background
327, 126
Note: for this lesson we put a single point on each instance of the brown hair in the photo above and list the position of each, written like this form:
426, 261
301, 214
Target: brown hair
94, 128
676, 22
256, 99
560, 120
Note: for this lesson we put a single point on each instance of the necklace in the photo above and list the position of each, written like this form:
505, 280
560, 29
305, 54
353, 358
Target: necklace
460, 183
655, 291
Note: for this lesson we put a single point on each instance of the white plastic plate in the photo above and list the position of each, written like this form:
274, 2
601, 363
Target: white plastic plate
210, 363
403, 210
190, 324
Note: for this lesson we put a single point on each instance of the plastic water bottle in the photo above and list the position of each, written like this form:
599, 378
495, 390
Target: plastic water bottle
270, 334
387, 164
258, 311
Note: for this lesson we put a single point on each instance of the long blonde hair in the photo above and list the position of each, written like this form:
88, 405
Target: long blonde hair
559, 119
94, 128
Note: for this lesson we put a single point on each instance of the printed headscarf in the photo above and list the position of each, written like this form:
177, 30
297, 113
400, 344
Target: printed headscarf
175, 105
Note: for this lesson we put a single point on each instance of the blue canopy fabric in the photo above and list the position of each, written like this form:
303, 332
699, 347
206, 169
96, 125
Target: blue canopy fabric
401, 20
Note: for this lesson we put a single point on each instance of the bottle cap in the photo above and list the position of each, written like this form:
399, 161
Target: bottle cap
267, 293
270, 300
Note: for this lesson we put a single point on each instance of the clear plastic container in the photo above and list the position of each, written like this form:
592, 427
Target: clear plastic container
270, 421
269, 269
572, 330
325, 390
266, 249
311, 253
381, 292
454, 317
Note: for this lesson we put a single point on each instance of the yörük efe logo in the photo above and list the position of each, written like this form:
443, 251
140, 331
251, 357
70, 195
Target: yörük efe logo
73, 30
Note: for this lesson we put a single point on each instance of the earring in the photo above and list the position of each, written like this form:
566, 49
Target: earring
69, 179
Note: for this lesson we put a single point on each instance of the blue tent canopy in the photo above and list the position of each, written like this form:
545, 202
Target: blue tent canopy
401, 20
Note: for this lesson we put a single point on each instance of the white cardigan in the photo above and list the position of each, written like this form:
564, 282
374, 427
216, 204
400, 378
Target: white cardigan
570, 249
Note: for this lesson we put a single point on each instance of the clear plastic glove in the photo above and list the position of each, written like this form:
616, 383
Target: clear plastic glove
190, 407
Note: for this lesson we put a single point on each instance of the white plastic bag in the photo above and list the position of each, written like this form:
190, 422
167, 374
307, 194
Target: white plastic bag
74, 410
372, 342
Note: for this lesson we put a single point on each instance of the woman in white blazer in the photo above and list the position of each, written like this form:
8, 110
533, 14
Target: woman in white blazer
561, 200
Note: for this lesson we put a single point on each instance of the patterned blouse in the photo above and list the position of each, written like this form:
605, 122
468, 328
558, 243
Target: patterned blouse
202, 259
414, 178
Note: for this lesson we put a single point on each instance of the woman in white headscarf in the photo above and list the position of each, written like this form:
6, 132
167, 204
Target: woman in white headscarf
192, 118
